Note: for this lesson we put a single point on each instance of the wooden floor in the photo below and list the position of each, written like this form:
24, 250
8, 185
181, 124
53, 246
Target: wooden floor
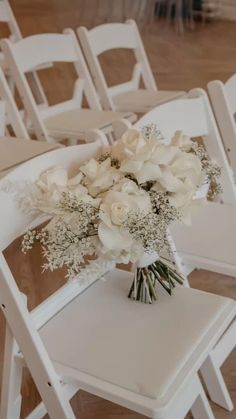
178, 63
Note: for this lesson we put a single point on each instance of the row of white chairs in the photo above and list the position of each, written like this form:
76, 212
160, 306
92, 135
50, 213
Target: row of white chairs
62, 121
68, 119
128, 96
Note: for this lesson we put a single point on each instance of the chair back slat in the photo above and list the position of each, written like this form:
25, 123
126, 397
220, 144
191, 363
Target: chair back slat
230, 90
13, 220
112, 36
181, 115
37, 50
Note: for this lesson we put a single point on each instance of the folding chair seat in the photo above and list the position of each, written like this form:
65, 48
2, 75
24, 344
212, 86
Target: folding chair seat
75, 123
143, 100
90, 336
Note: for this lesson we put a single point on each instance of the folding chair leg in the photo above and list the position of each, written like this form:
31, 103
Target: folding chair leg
191, 397
11, 84
201, 408
215, 384
11, 381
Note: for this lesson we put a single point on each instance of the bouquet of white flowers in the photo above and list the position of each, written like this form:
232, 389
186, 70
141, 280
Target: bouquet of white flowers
119, 207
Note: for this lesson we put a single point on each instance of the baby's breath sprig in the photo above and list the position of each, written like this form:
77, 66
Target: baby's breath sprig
151, 132
211, 169
114, 162
151, 229
67, 238
161, 205
32, 237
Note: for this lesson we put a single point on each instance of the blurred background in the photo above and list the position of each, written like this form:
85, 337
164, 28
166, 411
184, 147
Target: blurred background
188, 42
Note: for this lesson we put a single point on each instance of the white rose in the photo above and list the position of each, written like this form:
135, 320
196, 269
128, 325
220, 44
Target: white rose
54, 176
100, 177
114, 211
164, 154
183, 174
128, 186
146, 163
188, 166
182, 141
143, 171
130, 144
53, 183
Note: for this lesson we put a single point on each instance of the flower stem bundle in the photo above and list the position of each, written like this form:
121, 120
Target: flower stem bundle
144, 285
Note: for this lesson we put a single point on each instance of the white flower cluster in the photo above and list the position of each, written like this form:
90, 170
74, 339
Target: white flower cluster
119, 204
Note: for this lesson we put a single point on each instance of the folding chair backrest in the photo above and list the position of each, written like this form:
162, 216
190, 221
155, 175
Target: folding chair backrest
7, 16
230, 89
24, 325
37, 50
223, 100
113, 36
193, 116
200, 244
13, 117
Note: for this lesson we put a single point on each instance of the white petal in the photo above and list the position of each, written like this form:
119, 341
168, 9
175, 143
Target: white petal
131, 166
114, 239
164, 154
76, 179
169, 182
148, 172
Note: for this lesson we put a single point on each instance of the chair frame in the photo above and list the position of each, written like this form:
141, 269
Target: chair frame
13, 116
179, 116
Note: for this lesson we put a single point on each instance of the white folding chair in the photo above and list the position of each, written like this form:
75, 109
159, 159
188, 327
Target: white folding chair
126, 96
209, 243
13, 117
223, 100
66, 120
108, 350
7, 16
